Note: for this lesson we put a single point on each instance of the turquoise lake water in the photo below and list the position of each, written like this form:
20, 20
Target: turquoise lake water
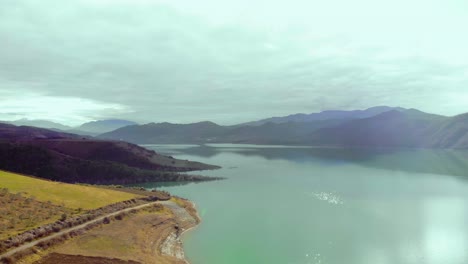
285, 205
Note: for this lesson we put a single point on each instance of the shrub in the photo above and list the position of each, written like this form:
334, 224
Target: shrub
63, 217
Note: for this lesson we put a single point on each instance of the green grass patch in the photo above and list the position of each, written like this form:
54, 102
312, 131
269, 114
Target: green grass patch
64, 194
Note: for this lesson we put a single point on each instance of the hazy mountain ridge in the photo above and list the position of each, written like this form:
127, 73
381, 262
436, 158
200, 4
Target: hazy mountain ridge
92, 128
38, 123
167, 133
326, 115
284, 130
103, 126
411, 128
372, 127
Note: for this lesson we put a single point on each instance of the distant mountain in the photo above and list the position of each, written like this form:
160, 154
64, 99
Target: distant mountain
38, 123
410, 128
449, 133
93, 128
389, 129
167, 133
73, 158
102, 126
290, 132
326, 115
12, 133
397, 127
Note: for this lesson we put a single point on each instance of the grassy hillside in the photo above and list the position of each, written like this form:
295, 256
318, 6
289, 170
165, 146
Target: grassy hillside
70, 158
68, 195
27, 202
19, 213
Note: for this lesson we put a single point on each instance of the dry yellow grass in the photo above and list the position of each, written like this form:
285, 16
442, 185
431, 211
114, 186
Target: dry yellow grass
18, 213
68, 195
136, 238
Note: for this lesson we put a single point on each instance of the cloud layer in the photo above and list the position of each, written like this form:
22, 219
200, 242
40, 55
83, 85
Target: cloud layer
228, 61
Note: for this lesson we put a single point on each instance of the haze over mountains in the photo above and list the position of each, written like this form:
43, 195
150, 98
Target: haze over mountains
92, 128
380, 126
326, 115
102, 126
38, 123
374, 127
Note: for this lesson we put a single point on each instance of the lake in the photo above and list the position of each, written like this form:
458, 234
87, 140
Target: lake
293, 205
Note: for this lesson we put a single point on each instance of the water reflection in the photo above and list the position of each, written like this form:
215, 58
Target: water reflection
445, 162
330, 206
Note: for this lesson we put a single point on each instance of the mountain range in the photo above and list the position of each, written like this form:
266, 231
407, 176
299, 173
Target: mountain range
92, 128
326, 115
374, 127
380, 126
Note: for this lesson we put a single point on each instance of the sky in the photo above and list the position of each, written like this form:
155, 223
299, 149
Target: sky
228, 61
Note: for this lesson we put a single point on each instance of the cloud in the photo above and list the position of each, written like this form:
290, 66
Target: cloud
231, 61
66, 110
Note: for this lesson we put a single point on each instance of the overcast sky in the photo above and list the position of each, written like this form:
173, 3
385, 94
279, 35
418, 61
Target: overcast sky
228, 61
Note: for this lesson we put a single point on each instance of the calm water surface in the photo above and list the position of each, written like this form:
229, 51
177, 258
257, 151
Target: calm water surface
330, 206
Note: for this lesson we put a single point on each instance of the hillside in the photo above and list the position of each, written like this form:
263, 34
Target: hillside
289, 130
71, 158
28, 202
326, 115
208, 132
410, 128
92, 128
450, 133
276, 130
69, 195
12, 133
38, 123
167, 133
103, 126
38, 216
361, 128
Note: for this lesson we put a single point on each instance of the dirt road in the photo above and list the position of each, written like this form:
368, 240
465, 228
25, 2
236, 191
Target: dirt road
78, 227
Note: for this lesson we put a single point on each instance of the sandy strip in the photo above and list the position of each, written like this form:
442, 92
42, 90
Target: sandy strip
187, 218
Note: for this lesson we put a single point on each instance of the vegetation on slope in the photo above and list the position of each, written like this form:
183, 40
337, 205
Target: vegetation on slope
68, 195
70, 158
19, 213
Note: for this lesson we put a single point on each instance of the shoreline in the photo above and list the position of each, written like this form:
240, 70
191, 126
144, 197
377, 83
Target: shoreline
148, 236
187, 219
198, 218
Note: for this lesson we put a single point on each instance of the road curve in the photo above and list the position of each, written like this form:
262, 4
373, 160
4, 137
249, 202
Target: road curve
78, 227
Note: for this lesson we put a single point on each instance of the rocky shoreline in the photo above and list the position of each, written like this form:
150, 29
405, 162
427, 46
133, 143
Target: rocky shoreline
187, 218
149, 236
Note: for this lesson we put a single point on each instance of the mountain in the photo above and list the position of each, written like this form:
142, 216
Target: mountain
12, 133
408, 128
326, 115
290, 131
200, 132
73, 158
93, 128
389, 129
102, 126
450, 133
38, 123
209, 132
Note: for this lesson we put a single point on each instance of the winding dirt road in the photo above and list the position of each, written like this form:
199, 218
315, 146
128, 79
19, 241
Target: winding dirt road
78, 227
